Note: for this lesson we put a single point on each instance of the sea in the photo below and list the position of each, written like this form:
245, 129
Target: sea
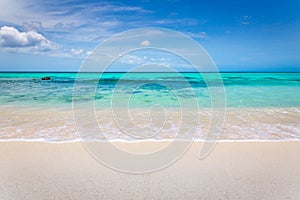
149, 106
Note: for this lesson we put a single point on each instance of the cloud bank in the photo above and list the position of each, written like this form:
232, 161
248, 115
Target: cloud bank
13, 40
10, 37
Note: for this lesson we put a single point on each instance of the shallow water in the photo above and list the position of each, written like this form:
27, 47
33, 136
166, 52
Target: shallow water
260, 106
242, 89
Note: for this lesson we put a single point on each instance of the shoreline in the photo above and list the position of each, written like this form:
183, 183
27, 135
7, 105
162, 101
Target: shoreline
147, 141
57, 124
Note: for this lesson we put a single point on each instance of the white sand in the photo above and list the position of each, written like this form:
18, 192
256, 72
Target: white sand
234, 170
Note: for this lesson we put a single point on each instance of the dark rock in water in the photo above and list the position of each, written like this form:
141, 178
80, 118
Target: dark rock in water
46, 78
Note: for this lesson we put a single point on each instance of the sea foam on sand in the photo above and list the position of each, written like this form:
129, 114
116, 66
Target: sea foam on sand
58, 125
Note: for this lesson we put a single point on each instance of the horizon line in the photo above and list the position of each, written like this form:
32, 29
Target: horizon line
151, 72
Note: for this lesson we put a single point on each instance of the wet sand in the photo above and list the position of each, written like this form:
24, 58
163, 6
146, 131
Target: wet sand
57, 124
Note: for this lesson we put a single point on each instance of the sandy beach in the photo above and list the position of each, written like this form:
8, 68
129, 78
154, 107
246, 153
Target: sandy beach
179, 100
233, 170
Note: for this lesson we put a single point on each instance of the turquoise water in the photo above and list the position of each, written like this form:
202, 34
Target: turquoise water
242, 89
260, 106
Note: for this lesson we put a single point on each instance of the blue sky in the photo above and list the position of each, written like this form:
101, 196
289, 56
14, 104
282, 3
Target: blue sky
45, 35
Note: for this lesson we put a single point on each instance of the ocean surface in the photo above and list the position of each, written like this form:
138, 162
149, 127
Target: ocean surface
259, 106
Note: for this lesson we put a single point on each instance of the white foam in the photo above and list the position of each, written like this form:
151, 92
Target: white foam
55, 126
150, 140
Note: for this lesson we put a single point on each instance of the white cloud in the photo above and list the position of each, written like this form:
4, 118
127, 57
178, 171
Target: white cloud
71, 23
20, 12
145, 43
90, 21
89, 52
104, 7
245, 20
202, 35
168, 60
181, 21
12, 38
76, 51
70, 53
131, 59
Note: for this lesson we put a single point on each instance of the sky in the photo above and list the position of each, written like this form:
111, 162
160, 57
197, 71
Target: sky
240, 35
